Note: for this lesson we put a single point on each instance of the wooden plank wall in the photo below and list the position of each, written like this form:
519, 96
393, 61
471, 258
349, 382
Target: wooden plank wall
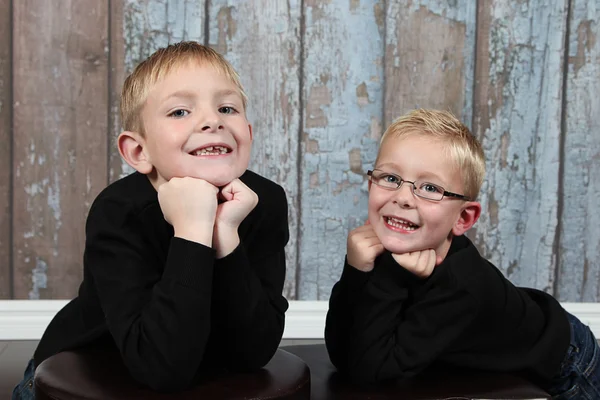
324, 78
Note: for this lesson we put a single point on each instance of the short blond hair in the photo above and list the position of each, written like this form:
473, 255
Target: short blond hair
463, 147
157, 66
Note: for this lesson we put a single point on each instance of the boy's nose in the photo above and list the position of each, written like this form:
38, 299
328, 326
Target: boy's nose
211, 122
404, 196
211, 126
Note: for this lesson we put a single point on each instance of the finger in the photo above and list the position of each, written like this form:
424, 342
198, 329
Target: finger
364, 228
370, 242
221, 197
378, 248
428, 261
358, 237
422, 259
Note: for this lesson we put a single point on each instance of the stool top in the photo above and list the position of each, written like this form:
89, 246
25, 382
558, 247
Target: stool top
455, 384
94, 375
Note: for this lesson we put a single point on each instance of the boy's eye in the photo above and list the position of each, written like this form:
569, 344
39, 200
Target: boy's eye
389, 178
178, 113
431, 188
227, 110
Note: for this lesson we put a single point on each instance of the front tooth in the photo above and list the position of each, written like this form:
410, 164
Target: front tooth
209, 148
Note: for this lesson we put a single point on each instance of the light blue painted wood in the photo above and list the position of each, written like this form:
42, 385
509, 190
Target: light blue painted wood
430, 57
518, 118
146, 26
579, 250
343, 80
262, 41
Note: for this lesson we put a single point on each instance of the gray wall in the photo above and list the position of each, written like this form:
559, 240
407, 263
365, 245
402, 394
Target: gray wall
324, 79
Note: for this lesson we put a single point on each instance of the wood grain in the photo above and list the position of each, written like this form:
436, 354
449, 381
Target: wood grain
139, 28
518, 119
60, 103
342, 103
579, 272
5, 149
261, 40
429, 58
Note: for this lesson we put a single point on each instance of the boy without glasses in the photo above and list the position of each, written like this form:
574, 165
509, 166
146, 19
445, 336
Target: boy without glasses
184, 259
414, 291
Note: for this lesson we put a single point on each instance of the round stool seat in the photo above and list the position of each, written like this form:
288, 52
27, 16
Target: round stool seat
97, 375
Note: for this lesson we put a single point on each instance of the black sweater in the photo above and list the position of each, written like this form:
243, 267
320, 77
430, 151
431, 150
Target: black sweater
388, 324
172, 310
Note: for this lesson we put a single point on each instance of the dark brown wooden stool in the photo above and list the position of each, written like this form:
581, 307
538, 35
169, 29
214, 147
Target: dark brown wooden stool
328, 384
97, 375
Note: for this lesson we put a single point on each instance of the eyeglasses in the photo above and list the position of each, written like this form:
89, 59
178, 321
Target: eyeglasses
426, 190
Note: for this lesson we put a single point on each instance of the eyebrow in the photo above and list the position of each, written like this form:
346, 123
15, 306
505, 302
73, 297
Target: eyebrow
428, 175
189, 95
228, 92
185, 94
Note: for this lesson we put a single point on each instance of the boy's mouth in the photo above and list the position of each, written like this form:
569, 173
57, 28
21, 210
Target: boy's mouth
400, 223
211, 151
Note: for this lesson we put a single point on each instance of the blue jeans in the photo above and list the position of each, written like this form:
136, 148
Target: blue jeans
24, 390
579, 376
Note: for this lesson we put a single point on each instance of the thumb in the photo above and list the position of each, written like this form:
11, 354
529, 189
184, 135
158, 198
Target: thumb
438, 260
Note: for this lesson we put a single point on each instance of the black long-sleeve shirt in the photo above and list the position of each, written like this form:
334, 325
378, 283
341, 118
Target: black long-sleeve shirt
389, 324
167, 304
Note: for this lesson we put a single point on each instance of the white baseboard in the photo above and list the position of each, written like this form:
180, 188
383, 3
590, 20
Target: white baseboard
27, 319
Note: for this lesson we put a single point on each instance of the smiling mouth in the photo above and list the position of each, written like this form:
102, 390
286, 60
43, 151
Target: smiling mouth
400, 224
211, 151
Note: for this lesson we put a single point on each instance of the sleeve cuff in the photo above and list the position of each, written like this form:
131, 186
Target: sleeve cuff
189, 263
388, 269
355, 279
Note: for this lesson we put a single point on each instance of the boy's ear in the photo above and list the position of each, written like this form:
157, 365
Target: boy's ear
468, 216
131, 148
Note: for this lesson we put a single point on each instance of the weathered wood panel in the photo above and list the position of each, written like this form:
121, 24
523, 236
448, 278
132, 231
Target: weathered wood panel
579, 272
429, 57
342, 106
262, 41
518, 118
60, 103
139, 28
5, 149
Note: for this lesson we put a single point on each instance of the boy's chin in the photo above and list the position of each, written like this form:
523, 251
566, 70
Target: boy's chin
393, 245
221, 179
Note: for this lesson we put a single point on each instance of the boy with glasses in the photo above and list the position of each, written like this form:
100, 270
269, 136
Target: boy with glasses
415, 292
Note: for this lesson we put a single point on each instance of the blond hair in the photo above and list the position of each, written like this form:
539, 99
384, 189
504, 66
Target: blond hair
157, 66
463, 147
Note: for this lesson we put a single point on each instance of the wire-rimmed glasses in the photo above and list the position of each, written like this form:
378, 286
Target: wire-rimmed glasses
426, 190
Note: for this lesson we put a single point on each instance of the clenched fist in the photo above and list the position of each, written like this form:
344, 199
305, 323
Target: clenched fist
363, 247
419, 263
190, 206
238, 201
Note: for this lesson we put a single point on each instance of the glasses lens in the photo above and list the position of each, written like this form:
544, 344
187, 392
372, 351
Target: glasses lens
429, 191
386, 180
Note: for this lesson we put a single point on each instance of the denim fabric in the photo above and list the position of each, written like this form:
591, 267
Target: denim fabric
579, 377
24, 390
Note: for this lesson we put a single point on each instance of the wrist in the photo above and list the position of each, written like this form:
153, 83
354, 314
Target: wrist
199, 234
225, 239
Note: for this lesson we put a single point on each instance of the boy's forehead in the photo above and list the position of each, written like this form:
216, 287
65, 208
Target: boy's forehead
426, 157
175, 71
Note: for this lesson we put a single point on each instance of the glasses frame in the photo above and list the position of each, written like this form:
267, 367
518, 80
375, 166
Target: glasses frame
401, 181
